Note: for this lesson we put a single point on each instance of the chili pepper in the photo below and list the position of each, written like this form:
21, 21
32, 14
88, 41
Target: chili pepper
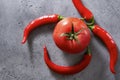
83, 11
109, 42
67, 70
38, 22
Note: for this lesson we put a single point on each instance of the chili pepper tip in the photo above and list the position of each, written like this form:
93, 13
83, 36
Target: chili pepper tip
44, 47
23, 41
113, 71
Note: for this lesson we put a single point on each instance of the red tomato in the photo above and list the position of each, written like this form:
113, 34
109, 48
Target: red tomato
71, 35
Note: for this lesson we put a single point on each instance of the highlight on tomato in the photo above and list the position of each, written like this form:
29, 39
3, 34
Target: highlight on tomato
71, 35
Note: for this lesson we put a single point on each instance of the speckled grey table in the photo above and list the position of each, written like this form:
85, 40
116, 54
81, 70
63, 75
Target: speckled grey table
26, 62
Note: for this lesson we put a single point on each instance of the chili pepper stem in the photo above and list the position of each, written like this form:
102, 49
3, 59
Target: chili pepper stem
82, 19
91, 22
88, 23
91, 27
60, 17
88, 50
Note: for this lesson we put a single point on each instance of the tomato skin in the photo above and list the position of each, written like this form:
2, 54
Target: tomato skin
71, 46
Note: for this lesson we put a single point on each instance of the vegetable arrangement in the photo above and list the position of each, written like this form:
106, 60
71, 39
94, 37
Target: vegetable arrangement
72, 35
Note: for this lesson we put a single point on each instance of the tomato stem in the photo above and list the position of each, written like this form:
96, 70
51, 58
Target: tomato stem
72, 30
72, 35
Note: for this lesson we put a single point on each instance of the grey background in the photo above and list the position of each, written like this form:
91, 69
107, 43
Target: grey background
26, 62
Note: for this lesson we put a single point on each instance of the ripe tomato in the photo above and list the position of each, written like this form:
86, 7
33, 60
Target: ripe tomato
71, 35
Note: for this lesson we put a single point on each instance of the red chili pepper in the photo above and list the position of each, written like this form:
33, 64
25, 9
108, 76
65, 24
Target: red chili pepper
38, 22
109, 42
67, 70
84, 12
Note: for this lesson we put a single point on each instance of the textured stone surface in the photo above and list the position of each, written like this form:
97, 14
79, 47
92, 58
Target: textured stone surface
25, 62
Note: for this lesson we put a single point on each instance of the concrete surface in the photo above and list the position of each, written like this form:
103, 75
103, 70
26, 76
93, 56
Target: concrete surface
25, 62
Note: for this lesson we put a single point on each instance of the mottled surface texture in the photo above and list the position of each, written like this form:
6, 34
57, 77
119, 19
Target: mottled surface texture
26, 62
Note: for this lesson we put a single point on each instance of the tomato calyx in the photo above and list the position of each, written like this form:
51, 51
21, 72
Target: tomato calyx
72, 35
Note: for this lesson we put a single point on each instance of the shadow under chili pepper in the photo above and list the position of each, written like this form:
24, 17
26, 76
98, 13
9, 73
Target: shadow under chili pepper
117, 67
30, 46
72, 59
59, 76
44, 29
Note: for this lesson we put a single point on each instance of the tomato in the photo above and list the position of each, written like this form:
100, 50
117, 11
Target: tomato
71, 35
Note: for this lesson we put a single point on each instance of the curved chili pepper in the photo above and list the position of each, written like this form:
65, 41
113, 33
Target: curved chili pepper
109, 42
38, 22
67, 70
84, 12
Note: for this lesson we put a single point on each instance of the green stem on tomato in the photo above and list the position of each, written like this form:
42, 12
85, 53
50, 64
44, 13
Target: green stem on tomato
72, 35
